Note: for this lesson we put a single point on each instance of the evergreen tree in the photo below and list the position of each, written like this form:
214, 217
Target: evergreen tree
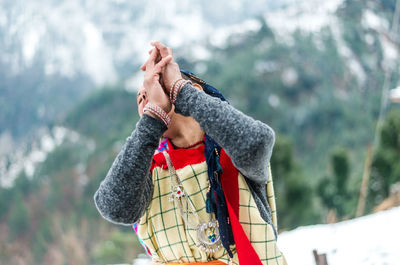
293, 192
385, 169
333, 189
19, 219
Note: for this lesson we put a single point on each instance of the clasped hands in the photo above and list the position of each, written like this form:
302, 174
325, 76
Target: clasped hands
161, 72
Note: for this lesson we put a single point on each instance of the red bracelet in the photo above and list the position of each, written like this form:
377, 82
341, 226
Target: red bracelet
173, 88
159, 112
176, 87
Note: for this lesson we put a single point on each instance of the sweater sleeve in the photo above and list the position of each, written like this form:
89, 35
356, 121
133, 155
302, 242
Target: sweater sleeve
127, 189
248, 142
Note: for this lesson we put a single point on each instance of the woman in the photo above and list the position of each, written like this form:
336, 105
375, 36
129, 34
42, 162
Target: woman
198, 195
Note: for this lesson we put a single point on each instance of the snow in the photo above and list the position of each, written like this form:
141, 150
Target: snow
395, 94
97, 57
22, 160
30, 42
368, 240
380, 24
220, 35
310, 16
352, 62
372, 20
390, 52
99, 38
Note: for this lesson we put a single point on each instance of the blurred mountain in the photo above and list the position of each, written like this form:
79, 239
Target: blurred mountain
312, 70
315, 72
104, 40
54, 52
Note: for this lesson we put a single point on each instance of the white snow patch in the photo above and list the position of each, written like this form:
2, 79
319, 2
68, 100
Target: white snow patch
390, 52
310, 16
372, 20
24, 161
382, 26
395, 94
220, 35
313, 15
61, 61
30, 42
352, 62
368, 240
97, 56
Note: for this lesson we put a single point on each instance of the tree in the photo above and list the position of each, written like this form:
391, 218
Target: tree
333, 189
19, 219
385, 170
293, 192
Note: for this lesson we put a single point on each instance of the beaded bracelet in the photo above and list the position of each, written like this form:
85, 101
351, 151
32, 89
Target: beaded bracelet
176, 87
159, 112
174, 83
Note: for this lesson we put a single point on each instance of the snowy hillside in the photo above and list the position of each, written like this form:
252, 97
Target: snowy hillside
105, 41
368, 240
101, 38
108, 40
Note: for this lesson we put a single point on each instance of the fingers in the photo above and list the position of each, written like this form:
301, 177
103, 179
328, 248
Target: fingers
158, 58
164, 50
143, 66
159, 66
151, 61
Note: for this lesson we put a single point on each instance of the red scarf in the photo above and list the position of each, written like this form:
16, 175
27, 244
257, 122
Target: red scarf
230, 185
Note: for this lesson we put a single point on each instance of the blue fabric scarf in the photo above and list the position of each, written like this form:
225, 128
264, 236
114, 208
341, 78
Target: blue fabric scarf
215, 202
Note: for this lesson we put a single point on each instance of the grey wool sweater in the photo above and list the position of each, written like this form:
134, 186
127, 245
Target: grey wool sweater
126, 192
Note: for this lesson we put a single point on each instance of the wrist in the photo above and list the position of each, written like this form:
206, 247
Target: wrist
165, 107
157, 112
151, 115
176, 87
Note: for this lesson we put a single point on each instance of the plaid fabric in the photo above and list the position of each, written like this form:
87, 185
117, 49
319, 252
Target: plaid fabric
163, 230
271, 198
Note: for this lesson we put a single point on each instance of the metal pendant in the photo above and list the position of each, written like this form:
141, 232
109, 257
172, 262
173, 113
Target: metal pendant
176, 193
208, 236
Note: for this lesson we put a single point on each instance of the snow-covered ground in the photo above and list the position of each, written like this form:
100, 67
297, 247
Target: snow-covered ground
368, 240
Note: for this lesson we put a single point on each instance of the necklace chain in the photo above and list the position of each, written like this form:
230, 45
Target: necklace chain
207, 232
179, 197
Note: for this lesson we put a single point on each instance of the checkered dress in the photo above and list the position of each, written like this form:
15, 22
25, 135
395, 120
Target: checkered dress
163, 230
